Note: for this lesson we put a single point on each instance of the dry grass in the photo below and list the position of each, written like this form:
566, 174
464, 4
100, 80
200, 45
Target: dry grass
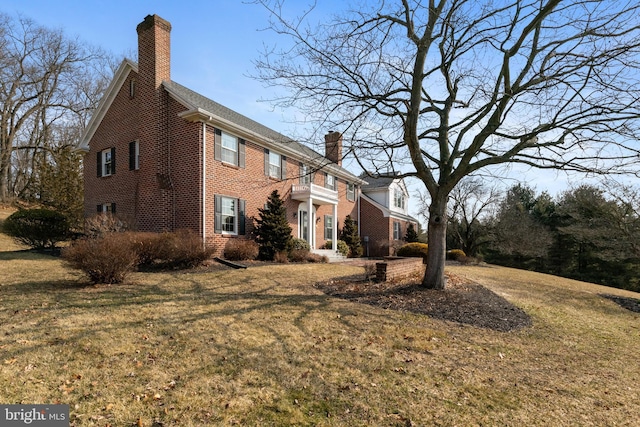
262, 346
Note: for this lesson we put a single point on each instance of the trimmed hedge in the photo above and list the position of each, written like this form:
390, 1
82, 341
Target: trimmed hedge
38, 228
414, 250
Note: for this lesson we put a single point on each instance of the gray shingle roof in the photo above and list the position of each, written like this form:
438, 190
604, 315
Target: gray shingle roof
195, 100
377, 181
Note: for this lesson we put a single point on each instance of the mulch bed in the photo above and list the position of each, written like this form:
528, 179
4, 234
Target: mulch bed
461, 301
630, 304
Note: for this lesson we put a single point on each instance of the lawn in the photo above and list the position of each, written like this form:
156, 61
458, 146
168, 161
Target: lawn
263, 346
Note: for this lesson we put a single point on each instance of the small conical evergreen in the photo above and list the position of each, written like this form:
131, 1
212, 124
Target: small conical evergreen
350, 236
412, 234
273, 231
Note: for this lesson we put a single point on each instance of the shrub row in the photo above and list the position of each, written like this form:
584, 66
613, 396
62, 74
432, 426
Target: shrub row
110, 257
298, 250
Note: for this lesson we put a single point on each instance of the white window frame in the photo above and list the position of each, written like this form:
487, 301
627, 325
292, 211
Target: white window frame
226, 226
397, 231
330, 182
107, 168
275, 165
351, 191
328, 228
398, 198
305, 174
228, 148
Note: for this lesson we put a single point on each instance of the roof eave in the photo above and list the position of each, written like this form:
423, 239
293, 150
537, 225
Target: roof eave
196, 114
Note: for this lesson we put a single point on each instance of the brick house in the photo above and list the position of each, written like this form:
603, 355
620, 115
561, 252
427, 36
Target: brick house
384, 213
163, 157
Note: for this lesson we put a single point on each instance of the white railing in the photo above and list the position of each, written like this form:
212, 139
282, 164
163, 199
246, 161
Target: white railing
313, 191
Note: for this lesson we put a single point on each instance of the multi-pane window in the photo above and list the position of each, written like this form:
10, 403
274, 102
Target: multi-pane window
274, 165
228, 210
398, 199
328, 227
229, 148
305, 174
397, 231
106, 162
330, 182
351, 191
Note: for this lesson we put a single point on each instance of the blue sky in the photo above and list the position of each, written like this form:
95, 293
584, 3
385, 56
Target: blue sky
213, 45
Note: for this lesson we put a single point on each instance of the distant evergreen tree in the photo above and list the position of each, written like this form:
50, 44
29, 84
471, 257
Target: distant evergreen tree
273, 231
350, 236
412, 234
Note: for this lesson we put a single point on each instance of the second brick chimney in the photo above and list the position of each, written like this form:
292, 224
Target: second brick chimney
333, 147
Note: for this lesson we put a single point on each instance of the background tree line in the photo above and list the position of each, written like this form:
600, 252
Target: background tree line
589, 232
49, 86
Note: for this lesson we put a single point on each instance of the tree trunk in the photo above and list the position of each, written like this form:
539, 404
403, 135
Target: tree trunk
437, 230
4, 182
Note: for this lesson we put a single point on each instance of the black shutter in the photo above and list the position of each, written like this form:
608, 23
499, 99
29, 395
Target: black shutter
218, 214
113, 207
241, 153
242, 204
99, 208
217, 144
132, 155
266, 161
99, 166
283, 167
113, 160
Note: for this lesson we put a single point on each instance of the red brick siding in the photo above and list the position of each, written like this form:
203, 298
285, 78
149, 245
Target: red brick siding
117, 129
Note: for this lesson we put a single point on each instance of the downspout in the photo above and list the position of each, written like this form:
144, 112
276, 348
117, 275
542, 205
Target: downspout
204, 184
359, 196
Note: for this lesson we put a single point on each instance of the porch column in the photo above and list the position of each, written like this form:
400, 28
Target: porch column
311, 224
335, 228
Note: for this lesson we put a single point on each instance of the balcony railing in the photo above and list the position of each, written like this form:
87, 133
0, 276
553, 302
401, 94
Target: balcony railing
316, 192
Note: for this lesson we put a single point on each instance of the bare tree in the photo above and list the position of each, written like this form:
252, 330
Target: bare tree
48, 82
471, 201
440, 89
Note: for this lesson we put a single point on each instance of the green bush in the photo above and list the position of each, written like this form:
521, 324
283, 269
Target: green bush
241, 250
343, 248
106, 259
298, 244
350, 236
456, 255
414, 250
37, 228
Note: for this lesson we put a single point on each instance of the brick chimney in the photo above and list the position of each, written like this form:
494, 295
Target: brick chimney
333, 147
154, 51
154, 66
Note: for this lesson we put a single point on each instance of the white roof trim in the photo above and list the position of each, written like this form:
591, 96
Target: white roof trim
119, 77
386, 212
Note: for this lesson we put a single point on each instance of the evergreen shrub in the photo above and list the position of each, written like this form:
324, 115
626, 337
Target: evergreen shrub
414, 250
38, 228
343, 248
456, 255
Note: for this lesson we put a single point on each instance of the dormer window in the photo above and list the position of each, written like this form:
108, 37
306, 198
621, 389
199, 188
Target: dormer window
398, 199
